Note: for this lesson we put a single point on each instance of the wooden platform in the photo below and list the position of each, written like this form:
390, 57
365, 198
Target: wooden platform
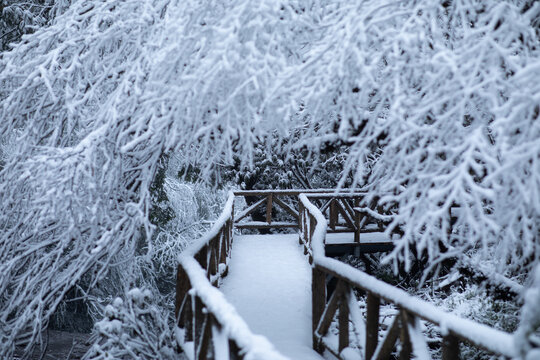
338, 244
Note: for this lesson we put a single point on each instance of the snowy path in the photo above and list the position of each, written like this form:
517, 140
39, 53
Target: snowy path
269, 283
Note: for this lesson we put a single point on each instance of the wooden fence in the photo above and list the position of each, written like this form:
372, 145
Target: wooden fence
406, 324
207, 325
338, 205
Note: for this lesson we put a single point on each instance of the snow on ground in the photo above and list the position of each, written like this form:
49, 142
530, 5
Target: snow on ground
269, 284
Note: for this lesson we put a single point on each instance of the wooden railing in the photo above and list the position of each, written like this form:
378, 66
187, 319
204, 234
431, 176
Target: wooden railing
341, 307
207, 325
262, 205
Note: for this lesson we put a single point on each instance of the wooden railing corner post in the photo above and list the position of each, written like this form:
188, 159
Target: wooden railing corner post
269, 208
333, 214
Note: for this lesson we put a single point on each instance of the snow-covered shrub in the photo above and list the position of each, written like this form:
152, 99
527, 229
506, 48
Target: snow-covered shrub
133, 328
195, 206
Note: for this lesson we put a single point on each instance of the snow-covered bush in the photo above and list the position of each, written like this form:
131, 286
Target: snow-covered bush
133, 328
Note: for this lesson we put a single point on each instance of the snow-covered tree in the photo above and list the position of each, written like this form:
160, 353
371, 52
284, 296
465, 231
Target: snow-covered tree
437, 101
22, 17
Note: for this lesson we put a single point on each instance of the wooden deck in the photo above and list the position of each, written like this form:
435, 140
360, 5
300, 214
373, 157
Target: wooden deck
269, 277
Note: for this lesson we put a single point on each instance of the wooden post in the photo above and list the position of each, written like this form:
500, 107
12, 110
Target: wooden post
450, 347
389, 341
188, 318
333, 214
318, 296
202, 257
212, 265
224, 247
229, 237
269, 209
404, 338
300, 221
343, 319
312, 225
182, 287
198, 321
372, 324
356, 221
202, 351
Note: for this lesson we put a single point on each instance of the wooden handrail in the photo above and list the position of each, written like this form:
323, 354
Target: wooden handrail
267, 200
313, 226
206, 322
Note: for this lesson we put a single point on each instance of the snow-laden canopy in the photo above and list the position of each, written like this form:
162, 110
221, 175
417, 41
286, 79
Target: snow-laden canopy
438, 101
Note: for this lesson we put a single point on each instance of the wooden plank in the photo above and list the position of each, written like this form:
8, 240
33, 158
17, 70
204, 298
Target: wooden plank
229, 236
325, 206
188, 318
372, 324
330, 310
356, 222
343, 319
296, 192
312, 225
223, 253
286, 207
344, 214
198, 322
269, 208
333, 215
318, 301
347, 207
182, 287
404, 337
202, 351
263, 225
214, 249
450, 347
249, 209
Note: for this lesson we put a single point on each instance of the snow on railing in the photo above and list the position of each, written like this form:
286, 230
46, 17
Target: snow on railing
406, 325
207, 325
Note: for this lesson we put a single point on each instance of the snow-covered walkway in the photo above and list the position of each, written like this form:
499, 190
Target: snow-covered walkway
269, 283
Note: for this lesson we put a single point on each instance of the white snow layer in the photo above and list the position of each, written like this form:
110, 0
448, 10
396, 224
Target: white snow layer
269, 284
